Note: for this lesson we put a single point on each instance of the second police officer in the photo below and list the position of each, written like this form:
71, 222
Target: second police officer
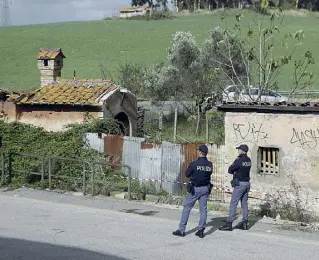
241, 177
199, 188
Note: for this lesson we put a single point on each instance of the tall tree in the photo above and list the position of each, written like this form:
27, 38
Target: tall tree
263, 53
187, 77
142, 2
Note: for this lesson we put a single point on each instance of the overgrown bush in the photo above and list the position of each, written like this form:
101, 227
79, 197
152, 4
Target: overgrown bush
140, 190
71, 143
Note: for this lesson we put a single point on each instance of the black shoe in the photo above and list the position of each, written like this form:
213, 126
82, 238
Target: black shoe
200, 233
227, 227
179, 233
242, 226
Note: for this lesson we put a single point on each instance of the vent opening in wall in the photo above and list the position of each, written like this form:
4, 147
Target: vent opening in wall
268, 161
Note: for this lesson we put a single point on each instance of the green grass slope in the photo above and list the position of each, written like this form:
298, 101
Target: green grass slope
112, 42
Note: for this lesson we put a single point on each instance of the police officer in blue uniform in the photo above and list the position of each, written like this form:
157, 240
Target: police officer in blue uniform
199, 188
241, 177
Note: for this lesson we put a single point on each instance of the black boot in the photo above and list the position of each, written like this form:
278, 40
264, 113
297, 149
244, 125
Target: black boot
200, 233
227, 227
242, 226
179, 233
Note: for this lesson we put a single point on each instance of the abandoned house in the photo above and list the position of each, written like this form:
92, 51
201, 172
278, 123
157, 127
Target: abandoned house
135, 11
59, 102
283, 140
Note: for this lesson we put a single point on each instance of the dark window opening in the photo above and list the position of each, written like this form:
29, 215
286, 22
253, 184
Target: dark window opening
268, 161
46, 63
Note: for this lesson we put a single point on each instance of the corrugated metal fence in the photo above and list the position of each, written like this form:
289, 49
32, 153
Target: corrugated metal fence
164, 163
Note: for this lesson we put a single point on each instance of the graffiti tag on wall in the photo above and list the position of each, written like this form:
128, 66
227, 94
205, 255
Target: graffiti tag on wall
249, 131
307, 138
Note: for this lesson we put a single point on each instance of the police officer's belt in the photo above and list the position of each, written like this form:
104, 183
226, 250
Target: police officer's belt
200, 185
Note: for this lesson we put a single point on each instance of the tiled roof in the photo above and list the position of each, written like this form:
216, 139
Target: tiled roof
49, 53
3, 91
69, 92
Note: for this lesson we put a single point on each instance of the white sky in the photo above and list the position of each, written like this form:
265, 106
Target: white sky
25, 12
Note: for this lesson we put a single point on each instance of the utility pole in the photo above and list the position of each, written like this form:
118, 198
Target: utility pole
6, 19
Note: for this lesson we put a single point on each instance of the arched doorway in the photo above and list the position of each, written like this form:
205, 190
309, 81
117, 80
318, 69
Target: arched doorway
125, 123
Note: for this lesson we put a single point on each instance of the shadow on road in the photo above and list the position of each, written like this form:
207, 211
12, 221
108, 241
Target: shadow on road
13, 249
213, 225
135, 211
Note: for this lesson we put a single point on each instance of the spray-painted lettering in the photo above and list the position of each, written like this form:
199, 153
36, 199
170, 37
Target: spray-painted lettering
307, 138
249, 131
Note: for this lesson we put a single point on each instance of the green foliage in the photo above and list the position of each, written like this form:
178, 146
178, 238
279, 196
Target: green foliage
141, 2
131, 77
258, 46
186, 130
162, 83
140, 190
216, 127
27, 139
160, 15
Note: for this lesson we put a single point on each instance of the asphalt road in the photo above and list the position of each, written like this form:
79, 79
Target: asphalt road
46, 225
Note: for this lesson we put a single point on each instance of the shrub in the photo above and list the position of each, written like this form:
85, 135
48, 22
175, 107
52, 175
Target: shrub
27, 139
291, 204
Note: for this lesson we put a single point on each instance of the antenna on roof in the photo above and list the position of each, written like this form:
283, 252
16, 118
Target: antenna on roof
102, 71
74, 75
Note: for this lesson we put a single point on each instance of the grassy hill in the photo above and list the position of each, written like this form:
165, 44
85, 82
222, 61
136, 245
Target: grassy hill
112, 42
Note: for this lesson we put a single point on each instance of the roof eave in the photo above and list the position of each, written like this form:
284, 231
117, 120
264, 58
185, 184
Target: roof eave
57, 104
268, 109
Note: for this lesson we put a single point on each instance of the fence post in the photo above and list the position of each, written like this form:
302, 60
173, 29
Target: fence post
84, 180
92, 179
42, 173
129, 182
207, 130
3, 167
50, 174
10, 169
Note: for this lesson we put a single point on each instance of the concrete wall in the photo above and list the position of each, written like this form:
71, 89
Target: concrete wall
54, 118
296, 136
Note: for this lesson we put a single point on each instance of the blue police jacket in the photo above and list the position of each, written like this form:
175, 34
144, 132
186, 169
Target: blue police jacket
241, 168
200, 171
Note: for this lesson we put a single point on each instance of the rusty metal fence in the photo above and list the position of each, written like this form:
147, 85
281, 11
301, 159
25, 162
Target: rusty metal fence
47, 165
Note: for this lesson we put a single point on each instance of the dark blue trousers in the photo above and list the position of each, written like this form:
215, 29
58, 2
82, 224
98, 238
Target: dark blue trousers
200, 194
240, 193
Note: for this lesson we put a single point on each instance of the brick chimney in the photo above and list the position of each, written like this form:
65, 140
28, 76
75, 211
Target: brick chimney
50, 64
